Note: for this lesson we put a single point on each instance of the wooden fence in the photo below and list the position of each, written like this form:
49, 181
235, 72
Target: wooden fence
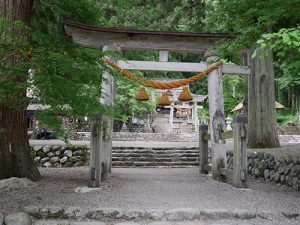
238, 175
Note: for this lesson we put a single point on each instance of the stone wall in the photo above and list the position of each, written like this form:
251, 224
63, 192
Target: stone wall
281, 166
278, 168
60, 156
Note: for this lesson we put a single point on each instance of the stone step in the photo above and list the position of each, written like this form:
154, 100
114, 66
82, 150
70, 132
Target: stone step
155, 151
154, 164
147, 159
155, 157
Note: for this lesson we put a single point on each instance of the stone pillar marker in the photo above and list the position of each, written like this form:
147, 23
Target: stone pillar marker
240, 152
171, 117
96, 153
217, 120
203, 149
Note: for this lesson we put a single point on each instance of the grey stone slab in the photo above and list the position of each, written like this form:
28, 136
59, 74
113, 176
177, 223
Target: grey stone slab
52, 222
1, 218
127, 223
88, 223
20, 218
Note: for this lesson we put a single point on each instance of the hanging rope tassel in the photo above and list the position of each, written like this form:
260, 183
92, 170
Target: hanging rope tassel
142, 95
164, 99
185, 95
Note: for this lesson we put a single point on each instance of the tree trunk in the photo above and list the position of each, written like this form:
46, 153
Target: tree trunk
261, 103
15, 154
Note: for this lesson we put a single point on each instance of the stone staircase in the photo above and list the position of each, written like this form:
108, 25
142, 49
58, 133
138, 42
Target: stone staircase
155, 157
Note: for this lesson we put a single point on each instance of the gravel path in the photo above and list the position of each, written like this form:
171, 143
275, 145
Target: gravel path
153, 188
205, 222
285, 140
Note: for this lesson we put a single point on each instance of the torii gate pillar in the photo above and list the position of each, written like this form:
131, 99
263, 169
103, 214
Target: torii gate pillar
217, 119
108, 98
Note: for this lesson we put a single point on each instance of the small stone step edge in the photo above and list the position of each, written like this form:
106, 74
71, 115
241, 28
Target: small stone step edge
53, 212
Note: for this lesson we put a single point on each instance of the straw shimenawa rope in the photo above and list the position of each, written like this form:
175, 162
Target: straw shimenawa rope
161, 85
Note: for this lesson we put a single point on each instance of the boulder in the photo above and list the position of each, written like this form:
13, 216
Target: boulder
276, 177
295, 159
288, 168
15, 183
289, 159
54, 159
46, 159
260, 155
249, 169
250, 162
267, 174
50, 154
281, 159
296, 185
281, 169
68, 153
78, 153
37, 159
20, 218
277, 165
63, 160
79, 163
255, 164
37, 148
46, 149
47, 164
63, 148
262, 165
282, 179
253, 171
42, 154
57, 153
289, 180
252, 155
259, 172
56, 148
295, 170
57, 165
75, 159
68, 164
272, 173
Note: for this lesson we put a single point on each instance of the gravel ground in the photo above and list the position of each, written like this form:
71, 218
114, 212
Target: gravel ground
285, 140
149, 188
204, 222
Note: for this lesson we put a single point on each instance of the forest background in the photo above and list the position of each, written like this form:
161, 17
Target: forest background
66, 72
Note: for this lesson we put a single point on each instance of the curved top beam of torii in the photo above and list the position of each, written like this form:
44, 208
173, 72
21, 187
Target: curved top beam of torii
128, 39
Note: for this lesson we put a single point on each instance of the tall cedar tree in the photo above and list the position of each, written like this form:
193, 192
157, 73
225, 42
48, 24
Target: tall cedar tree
15, 156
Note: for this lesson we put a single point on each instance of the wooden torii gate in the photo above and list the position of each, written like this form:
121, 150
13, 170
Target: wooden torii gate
109, 39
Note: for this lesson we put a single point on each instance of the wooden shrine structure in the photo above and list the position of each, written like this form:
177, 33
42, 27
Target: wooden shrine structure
110, 39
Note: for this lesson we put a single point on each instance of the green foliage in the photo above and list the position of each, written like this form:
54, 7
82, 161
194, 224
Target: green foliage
126, 105
66, 76
234, 91
286, 117
249, 19
175, 15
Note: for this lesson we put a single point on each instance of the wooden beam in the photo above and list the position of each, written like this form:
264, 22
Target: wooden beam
96, 37
178, 67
